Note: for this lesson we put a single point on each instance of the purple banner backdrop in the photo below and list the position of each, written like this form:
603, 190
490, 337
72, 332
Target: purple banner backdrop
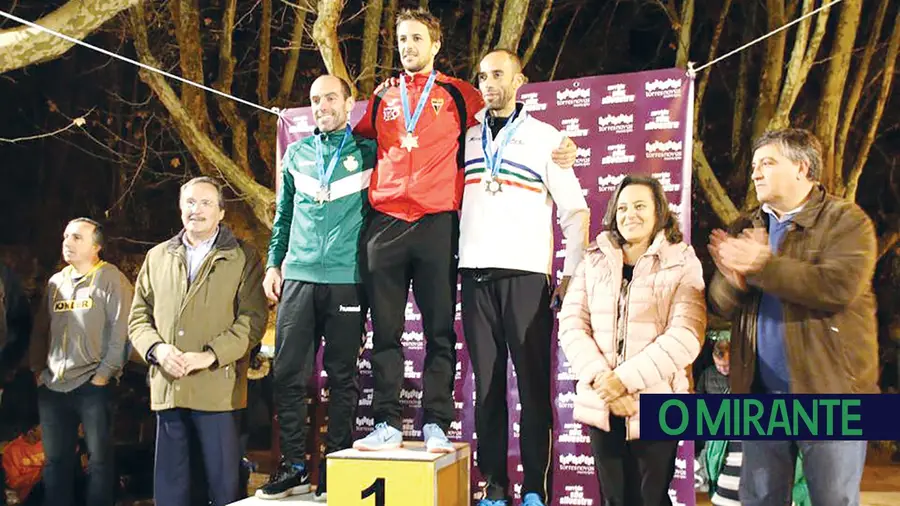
623, 124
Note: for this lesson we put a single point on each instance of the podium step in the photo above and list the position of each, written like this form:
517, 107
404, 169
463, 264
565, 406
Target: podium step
407, 476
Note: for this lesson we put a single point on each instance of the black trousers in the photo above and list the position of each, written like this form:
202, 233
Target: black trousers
306, 313
632, 473
510, 313
424, 252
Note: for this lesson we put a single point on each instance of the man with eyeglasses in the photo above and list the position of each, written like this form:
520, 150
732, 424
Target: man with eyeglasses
198, 310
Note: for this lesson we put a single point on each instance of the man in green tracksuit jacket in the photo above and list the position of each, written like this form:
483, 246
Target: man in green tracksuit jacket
313, 274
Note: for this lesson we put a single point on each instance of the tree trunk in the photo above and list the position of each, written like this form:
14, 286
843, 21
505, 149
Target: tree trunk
563, 43
236, 124
833, 91
856, 91
326, 37
538, 31
716, 195
23, 46
802, 57
773, 65
683, 53
474, 39
290, 68
390, 45
514, 14
186, 16
713, 49
371, 38
259, 198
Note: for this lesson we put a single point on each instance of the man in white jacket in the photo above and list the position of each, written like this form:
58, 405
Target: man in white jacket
505, 258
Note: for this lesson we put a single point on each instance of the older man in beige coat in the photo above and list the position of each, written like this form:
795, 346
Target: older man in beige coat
198, 310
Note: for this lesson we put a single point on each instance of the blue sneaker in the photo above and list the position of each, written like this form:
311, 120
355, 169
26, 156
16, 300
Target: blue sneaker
532, 499
435, 439
492, 502
384, 437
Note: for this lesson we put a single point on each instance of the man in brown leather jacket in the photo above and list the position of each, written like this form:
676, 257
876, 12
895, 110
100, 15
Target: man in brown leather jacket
795, 278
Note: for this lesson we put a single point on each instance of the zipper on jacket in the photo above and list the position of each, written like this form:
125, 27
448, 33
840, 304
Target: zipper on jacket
65, 348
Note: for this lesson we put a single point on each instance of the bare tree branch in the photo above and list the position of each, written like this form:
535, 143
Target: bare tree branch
259, 198
563, 43
893, 52
390, 46
488, 37
325, 35
290, 68
715, 194
713, 49
683, 32
265, 51
538, 31
773, 65
474, 40
186, 16
514, 14
23, 45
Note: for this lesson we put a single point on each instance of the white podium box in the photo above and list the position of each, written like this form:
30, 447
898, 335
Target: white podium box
403, 477
295, 500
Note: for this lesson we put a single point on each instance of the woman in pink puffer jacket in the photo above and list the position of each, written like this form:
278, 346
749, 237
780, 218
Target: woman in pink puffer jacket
632, 321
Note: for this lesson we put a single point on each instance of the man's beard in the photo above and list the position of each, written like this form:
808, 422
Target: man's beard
337, 122
501, 102
415, 67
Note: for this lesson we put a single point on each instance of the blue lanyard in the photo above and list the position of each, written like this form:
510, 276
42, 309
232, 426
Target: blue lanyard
325, 174
493, 160
411, 122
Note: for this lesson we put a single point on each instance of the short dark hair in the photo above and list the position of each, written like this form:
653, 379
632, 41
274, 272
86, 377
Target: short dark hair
208, 180
665, 218
426, 18
797, 145
98, 237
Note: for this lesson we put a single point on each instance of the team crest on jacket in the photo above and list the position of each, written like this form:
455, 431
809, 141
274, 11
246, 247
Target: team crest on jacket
436, 104
391, 113
351, 163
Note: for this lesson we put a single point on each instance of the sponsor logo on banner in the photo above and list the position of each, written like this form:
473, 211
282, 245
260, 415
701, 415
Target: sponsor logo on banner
665, 179
664, 150
532, 102
565, 399
617, 94
560, 253
618, 153
660, 120
582, 157
323, 374
411, 398
458, 370
363, 422
301, 125
323, 395
673, 496
368, 344
680, 468
409, 370
574, 97
366, 398
573, 434
413, 340
458, 405
517, 429
364, 366
409, 429
575, 497
572, 127
616, 123
676, 210
458, 307
663, 88
411, 313
566, 374
455, 431
580, 464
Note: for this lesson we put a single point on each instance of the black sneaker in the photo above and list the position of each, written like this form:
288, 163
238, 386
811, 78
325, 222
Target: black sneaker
284, 482
321, 484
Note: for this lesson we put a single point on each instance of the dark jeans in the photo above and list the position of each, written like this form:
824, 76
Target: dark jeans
833, 471
60, 414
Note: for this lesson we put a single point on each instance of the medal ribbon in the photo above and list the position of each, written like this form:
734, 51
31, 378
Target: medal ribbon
325, 174
411, 122
492, 160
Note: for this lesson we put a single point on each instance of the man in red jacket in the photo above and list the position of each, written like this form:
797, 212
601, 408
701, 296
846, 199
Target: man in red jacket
412, 232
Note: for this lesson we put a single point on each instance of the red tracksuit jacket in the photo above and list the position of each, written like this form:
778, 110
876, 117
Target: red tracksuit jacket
408, 185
